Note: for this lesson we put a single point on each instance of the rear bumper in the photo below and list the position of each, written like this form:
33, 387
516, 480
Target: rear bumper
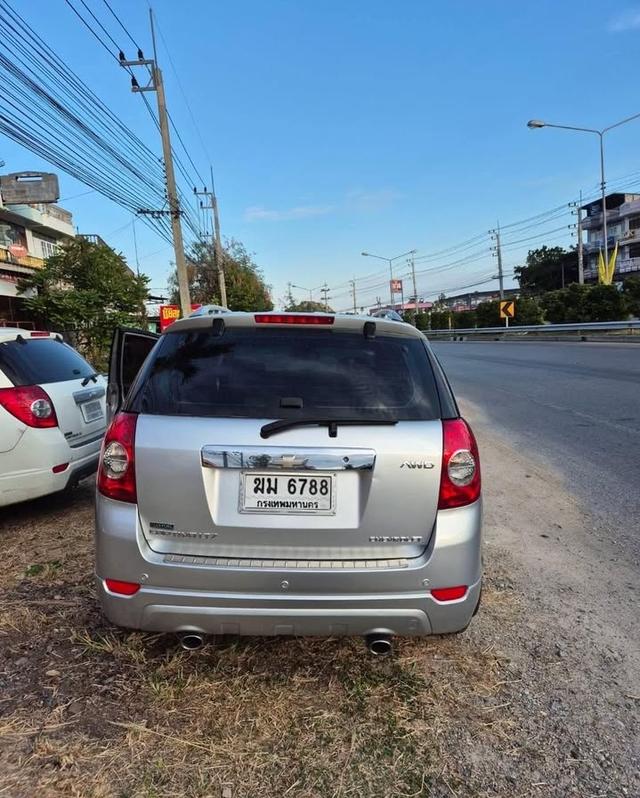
212, 613
201, 597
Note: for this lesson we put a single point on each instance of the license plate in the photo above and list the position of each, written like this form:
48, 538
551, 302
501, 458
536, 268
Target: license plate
282, 493
92, 411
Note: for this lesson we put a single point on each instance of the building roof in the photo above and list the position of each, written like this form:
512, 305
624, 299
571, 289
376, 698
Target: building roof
614, 200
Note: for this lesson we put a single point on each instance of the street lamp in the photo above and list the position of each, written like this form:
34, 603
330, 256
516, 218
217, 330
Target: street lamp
302, 288
390, 262
534, 124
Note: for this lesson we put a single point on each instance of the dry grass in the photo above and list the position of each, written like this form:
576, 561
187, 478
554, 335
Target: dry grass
90, 711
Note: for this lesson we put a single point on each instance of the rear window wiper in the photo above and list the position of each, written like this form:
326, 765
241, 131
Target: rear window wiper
90, 377
332, 423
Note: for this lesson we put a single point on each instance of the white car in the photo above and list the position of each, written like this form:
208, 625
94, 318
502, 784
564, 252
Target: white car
52, 415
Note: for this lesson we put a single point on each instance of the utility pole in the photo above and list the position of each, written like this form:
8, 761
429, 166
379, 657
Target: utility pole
325, 296
415, 292
219, 255
353, 293
135, 244
156, 84
218, 258
580, 249
496, 234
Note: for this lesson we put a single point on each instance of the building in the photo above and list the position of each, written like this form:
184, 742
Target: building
623, 228
471, 299
28, 235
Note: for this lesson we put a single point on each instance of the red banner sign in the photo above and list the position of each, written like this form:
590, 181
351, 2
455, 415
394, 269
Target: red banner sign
171, 313
396, 286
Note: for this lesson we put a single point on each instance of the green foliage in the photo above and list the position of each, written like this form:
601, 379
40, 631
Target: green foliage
528, 311
440, 319
422, 321
579, 303
246, 289
308, 306
632, 295
85, 291
464, 319
488, 314
544, 270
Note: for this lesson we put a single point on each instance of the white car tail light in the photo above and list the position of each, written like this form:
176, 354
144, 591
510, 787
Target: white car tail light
460, 478
29, 404
116, 471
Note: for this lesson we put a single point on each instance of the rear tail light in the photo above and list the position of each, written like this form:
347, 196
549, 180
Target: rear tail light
117, 472
292, 318
449, 593
29, 404
122, 588
460, 477
39, 334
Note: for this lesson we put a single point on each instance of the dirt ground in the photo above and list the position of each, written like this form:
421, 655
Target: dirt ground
540, 697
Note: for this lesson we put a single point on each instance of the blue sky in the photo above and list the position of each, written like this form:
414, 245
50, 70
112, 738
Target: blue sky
337, 126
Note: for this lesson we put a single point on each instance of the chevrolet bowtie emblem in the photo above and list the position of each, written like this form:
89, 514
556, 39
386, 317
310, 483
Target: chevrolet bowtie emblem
288, 461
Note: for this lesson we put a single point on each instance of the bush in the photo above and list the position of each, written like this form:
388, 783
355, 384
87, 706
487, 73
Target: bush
464, 319
631, 291
422, 321
440, 319
585, 303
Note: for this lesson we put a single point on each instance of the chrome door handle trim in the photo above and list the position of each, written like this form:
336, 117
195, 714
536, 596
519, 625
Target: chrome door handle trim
294, 459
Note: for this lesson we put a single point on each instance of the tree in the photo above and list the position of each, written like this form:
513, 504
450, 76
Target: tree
308, 306
544, 270
246, 289
86, 290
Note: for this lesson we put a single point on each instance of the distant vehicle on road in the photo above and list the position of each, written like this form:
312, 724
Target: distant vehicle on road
52, 415
286, 473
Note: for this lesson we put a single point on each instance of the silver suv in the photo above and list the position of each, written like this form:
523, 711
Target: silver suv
286, 474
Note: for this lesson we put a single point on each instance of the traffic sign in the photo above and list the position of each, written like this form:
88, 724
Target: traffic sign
507, 309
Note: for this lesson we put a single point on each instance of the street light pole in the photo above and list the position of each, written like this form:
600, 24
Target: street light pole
390, 262
535, 124
302, 288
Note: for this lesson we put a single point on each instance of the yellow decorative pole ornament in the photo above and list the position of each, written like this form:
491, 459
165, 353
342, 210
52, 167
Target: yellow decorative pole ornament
612, 265
602, 271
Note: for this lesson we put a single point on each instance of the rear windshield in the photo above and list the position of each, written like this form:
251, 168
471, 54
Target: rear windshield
277, 373
40, 361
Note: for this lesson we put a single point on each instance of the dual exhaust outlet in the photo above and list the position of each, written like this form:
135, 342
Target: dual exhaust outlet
380, 645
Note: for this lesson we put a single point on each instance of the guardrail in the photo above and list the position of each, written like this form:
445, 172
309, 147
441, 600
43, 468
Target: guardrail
581, 327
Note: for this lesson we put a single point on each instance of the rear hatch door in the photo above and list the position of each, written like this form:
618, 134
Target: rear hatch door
209, 483
76, 390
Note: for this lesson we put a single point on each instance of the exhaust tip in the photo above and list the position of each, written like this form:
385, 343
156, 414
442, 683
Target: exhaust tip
379, 645
191, 641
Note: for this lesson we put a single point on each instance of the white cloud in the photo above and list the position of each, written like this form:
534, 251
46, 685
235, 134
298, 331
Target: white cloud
371, 201
625, 21
354, 201
259, 214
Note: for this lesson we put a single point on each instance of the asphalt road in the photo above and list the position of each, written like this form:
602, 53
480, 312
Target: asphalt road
575, 406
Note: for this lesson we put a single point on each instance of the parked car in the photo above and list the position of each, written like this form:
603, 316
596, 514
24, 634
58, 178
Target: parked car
286, 474
52, 415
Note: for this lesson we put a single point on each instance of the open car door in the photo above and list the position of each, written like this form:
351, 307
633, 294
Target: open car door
129, 350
